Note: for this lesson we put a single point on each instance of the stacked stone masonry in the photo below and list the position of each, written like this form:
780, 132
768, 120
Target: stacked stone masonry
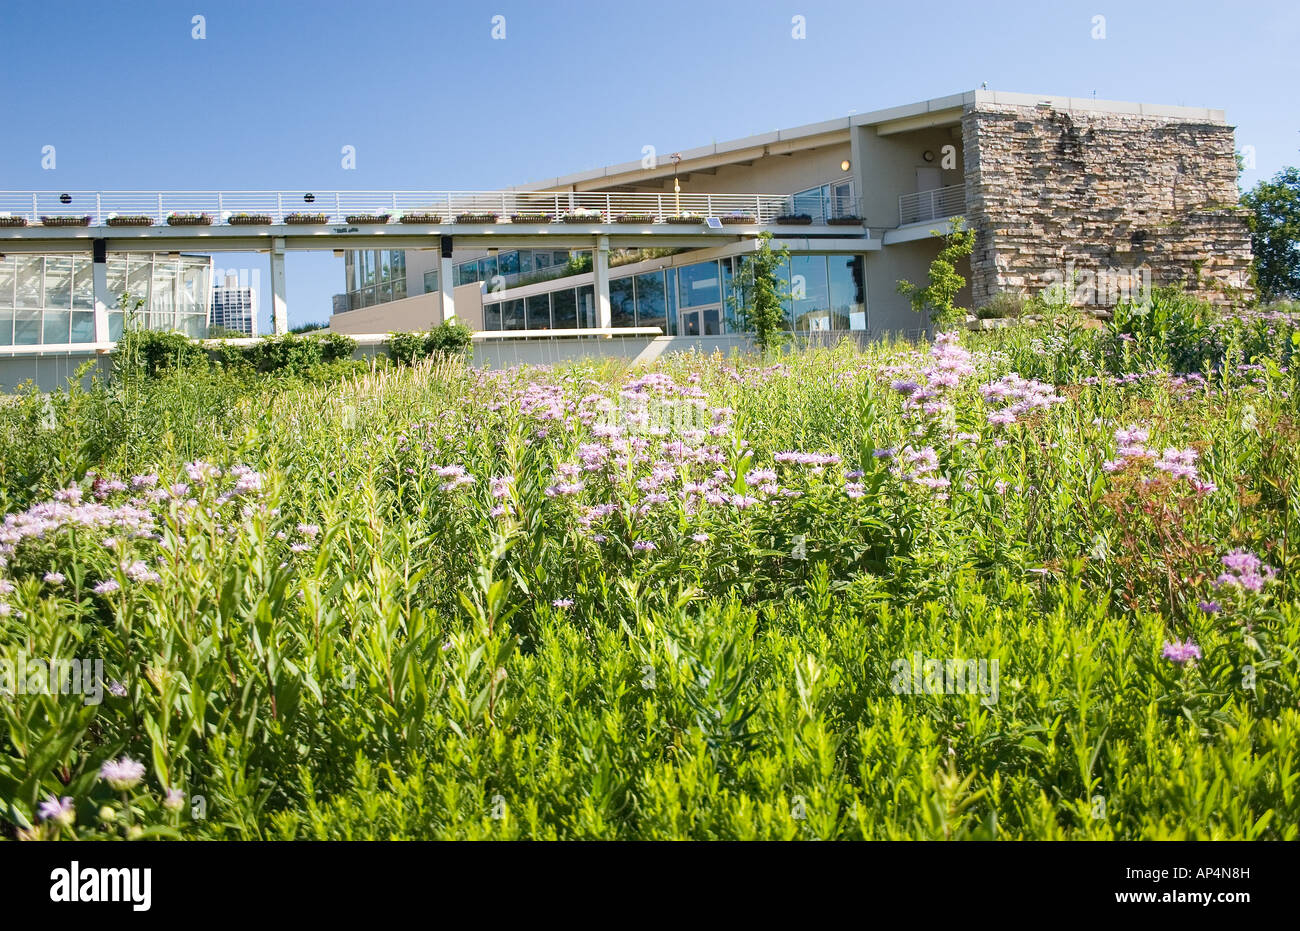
1090, 198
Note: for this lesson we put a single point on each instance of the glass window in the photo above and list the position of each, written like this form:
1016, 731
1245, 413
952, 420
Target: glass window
560, 258
491, 316
114, 325
622, 303
539, 312
138, 273
6, 327
466, 273
162, 299
83, 327
651, 308
487, 269
83, 284
542, 259
587, 307
670, 294
564, 309
58, 282
399, 289
431, 281
8, 266
30, 269
809, 292
385, 292
385, 265
508, 263
399, 264
848, 297
525, 261
698, 284
116, 280
512, 314
55, 326
27, 327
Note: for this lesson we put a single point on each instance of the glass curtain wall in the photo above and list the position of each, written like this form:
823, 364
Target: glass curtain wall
50, 299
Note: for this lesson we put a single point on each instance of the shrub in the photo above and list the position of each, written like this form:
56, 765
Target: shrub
449, 338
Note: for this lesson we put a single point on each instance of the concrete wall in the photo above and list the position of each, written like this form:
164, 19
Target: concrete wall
49, 371
1051, 191
889, 311
421, 312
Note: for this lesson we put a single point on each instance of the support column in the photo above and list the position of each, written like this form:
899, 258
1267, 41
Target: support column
279, 302
103, 300
600, 265
445, 284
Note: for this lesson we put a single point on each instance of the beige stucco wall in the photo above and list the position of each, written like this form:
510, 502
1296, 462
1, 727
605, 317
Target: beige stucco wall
773, 174
889, 165
421, 312
889, 311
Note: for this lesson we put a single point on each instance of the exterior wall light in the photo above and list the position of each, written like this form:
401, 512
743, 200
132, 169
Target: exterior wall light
845, 165
927, 155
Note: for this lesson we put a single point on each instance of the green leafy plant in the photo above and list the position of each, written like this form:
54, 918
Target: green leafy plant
938, 297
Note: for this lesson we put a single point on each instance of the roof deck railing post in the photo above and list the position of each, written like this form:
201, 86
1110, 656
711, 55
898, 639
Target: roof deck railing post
221, 214
279, 207
99, 210
35, 208
160, 213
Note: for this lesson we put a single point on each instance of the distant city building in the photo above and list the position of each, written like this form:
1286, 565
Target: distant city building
340, 303
234, 307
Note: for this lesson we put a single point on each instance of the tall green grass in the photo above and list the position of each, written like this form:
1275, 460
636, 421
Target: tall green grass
422, 667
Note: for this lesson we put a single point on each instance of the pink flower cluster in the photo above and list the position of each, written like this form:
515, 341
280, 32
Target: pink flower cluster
1017, 396
1131, 448
1246, 571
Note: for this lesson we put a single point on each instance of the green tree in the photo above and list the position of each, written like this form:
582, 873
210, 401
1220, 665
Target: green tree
1275, 234
939, 295
760, 295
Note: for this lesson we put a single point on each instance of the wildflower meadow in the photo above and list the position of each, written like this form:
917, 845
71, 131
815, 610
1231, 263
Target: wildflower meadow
1032, 583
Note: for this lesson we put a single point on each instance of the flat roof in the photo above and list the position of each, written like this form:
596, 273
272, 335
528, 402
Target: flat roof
806, 132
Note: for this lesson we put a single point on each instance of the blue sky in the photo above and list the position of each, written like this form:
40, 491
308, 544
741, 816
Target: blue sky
431, 101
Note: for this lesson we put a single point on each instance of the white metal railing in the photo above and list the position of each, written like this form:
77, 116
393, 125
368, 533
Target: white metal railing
934, 204
821, 210
334, 207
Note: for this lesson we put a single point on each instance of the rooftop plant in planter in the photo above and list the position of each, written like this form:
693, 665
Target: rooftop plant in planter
249, 219
530, 218
303, 219
189, 219
476, 218
738, 218
65, 221
420, 218
13, 221
138, 219
635, 218
685, 218
368, 217
795, 219
583, 215
845, 221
